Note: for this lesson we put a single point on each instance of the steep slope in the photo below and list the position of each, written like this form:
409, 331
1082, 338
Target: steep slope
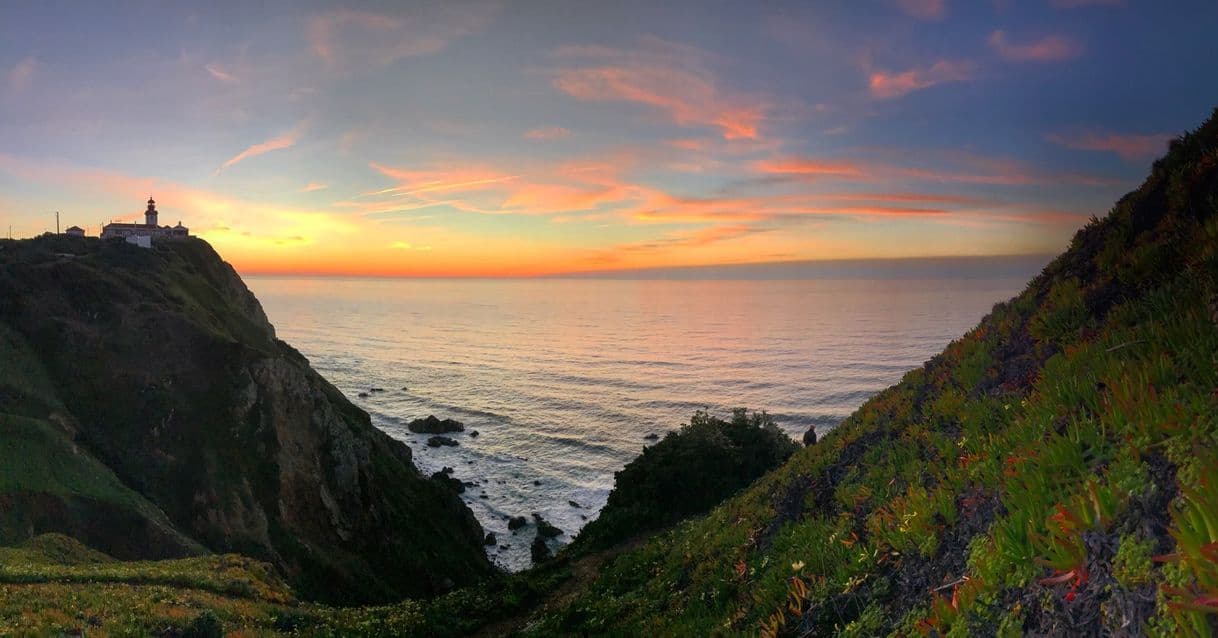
1020, 482
176, 421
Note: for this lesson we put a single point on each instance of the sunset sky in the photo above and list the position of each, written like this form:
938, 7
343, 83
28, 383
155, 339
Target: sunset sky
510, 138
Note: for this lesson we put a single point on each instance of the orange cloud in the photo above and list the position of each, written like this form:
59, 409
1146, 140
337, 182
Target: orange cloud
287, 140
808, 167
547, 133
314, 186
1127, 147
672, 78
923, 9
1047, 49
886, 85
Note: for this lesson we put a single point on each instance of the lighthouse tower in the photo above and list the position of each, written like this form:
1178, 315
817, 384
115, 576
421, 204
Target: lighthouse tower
150, 214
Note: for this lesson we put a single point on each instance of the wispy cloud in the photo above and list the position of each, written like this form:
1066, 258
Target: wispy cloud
1074, 4
314, 186
218, 72
673, 78
22, 74
287, 140
1127, 147
547, 133
402, 245
923, 9
887, 85
354, 37
1047, 49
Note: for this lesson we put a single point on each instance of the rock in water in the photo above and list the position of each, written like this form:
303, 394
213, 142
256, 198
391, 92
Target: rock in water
516, 522
433, 425
490, 539
810, 437
437, 441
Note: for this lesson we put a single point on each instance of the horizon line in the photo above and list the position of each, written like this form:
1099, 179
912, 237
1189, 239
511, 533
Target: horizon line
1019, 261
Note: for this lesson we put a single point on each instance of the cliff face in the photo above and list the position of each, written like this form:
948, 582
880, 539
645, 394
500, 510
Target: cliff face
158, 371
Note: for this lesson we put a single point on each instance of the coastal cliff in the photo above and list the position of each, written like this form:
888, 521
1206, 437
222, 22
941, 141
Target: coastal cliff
149, 411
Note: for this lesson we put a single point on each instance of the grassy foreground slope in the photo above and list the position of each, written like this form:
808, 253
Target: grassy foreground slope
1053, 471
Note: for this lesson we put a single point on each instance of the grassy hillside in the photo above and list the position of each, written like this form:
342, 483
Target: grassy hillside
1053, 471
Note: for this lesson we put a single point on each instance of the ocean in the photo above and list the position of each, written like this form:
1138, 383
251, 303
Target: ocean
564, 378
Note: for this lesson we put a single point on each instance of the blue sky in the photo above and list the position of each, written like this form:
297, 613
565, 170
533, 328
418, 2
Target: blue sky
535, 137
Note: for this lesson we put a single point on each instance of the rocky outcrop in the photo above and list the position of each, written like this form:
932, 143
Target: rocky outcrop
172, 379
433, 425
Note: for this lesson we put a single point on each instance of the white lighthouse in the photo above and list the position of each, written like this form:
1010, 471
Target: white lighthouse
143, 234
150, 214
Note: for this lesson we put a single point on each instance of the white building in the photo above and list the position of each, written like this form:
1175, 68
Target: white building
74, 231
143, 234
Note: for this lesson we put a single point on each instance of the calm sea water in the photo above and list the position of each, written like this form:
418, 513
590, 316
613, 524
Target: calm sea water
563, 379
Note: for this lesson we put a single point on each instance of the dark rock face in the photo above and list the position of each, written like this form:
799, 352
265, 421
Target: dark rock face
432, 425
544, 528
437, 441
539, 550
162, 366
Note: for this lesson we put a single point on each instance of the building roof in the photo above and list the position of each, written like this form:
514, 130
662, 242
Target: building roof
74, 228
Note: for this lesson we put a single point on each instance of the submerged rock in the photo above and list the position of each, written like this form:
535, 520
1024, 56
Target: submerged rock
473, 434
363, 395
516, 522
437, 441
574, 504
652, 437
433, 425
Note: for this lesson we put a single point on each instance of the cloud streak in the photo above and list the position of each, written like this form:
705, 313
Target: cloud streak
349, 37
888, 85
1128, 147
287, 140
674, 79
1050, 48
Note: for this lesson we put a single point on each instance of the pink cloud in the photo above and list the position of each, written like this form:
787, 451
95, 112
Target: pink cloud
314, 186
1047, 49
886, 85
1127, 147
347, 36
1074, 4
218, 72
547, 133
22, 74
923, 9
287, 140
672, 78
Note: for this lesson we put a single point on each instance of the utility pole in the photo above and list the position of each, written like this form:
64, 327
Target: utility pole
56, 222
